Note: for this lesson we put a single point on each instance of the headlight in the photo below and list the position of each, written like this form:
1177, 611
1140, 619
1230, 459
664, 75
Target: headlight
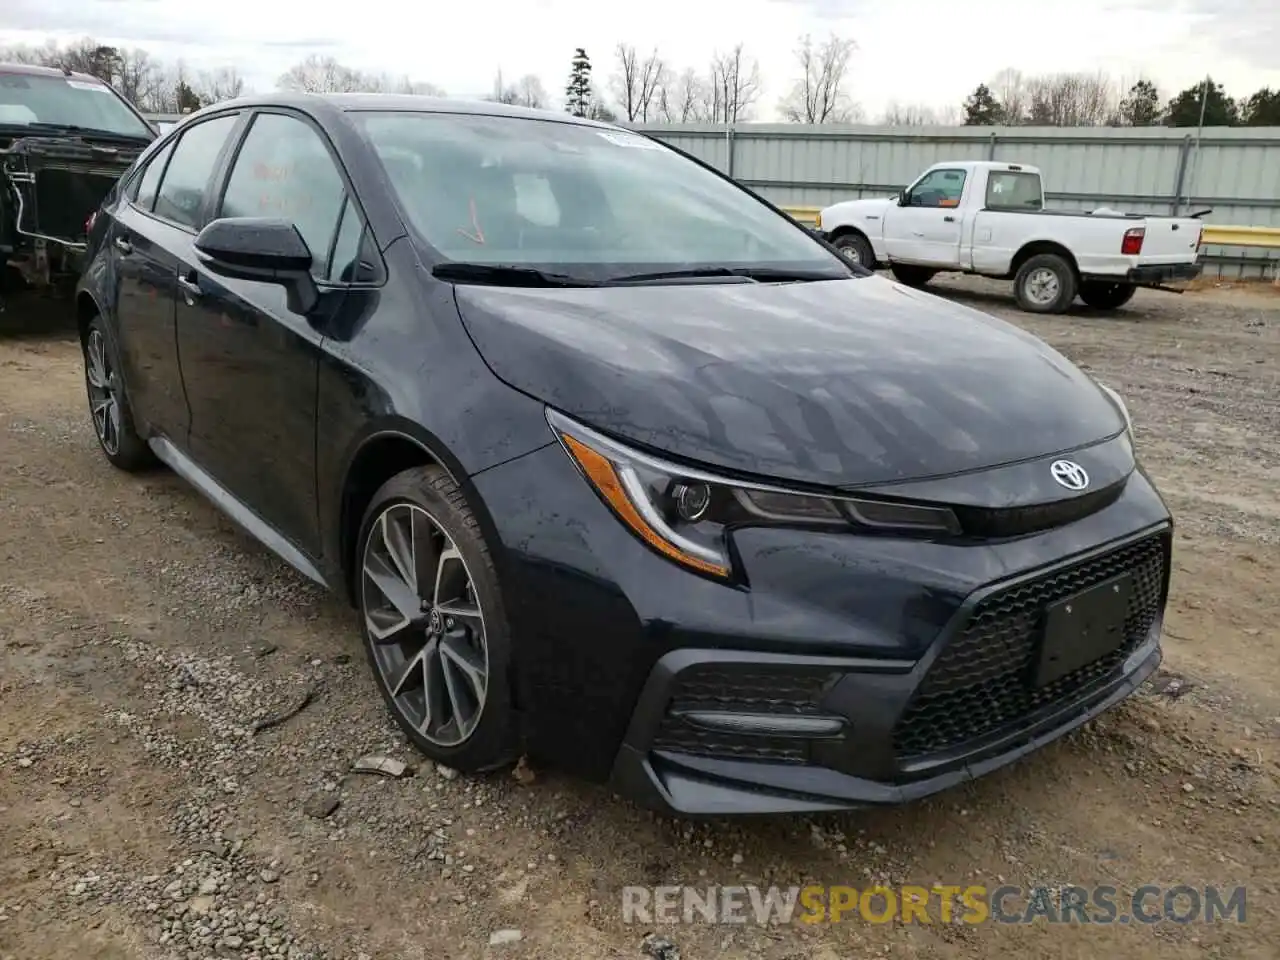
1120, 405
685, 513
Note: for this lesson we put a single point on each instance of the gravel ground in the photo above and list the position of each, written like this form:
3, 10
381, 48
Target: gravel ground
151, 807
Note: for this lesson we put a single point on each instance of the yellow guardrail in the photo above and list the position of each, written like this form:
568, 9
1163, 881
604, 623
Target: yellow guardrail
1215, 234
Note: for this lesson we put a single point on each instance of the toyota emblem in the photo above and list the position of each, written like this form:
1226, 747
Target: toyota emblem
1069, 474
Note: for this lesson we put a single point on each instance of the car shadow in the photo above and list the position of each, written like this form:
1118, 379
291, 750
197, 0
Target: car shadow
31, 316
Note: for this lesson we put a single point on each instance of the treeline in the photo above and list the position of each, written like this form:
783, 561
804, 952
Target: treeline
1095, 100
644, 87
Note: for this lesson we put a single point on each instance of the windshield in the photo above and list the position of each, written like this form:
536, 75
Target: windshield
67, 101
576, 199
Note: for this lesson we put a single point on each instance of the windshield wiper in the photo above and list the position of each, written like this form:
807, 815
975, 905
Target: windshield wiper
742, 274
79, 131
503, 275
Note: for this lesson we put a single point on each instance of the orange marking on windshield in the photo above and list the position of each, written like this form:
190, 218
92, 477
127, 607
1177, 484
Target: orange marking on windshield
478, 236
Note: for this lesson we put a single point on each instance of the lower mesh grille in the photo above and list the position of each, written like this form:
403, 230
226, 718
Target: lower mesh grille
747, 689
981, 683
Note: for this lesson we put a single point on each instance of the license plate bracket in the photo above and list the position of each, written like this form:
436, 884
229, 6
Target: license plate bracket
1083, 627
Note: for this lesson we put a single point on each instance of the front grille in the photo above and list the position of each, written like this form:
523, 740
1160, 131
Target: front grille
981, 682
788, 691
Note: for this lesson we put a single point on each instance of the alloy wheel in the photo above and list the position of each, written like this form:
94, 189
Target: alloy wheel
104, 392
425, 624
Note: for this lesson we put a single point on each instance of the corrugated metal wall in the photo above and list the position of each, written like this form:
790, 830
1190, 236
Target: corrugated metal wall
1236, 171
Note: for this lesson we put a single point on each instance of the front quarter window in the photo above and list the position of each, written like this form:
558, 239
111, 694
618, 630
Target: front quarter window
575, 198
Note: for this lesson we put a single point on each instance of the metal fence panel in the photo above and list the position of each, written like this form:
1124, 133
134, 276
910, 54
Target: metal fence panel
1156, 170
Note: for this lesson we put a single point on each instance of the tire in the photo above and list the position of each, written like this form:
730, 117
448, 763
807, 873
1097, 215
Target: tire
429, 500
109, 409
1106, 296
856, 248
912, 276
1046, 283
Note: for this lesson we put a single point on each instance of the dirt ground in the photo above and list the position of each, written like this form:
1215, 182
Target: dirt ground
141, 636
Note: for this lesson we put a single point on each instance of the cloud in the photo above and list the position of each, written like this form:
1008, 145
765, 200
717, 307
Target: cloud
909, 51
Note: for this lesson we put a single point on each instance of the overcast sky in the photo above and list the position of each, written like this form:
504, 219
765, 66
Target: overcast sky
910, 51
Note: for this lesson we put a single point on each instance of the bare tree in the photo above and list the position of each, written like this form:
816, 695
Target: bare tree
735, 86
1010, 89
531, 93
919, 115
684, 99
1072, 100
528, 91
638, 83
214, 86
819, 96
323, 74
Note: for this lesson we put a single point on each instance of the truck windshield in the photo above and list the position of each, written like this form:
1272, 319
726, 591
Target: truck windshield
27, 99
577, 199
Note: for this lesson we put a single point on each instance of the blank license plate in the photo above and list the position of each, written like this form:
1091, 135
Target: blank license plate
1083, 627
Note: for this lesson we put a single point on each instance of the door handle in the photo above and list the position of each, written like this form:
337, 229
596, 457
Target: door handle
948, 219
190, 286
917, 233
124, 246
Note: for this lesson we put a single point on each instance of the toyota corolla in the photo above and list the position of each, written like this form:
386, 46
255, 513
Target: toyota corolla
620, 467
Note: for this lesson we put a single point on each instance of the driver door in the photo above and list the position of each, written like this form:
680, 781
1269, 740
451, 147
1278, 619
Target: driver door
925, 226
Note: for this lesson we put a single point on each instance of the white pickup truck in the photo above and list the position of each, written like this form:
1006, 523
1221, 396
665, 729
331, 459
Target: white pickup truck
989, 218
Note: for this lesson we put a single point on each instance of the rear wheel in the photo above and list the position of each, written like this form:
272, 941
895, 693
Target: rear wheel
1046, 283
1106, 296
856, 249
108, 404
912, 276
433, 620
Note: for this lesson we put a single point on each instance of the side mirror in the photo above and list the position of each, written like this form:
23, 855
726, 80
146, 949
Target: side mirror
903, 199
263, 249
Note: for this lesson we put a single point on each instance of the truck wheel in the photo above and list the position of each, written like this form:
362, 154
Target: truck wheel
1046, 283
1106, 296
856, 248
912, 276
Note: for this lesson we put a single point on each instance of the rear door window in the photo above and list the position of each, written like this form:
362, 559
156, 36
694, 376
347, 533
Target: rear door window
144, 186
182, 190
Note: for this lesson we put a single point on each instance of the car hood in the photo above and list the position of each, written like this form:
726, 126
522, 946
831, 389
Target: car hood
840, 383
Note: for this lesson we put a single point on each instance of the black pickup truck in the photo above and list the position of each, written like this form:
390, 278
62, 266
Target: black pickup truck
65, 139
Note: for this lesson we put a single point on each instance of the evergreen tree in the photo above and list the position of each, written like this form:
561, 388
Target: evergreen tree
577, 95
1141, 105
1219, 109
1263, 109
982, 109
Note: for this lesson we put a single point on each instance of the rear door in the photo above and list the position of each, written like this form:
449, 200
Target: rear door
151, 224
250, 364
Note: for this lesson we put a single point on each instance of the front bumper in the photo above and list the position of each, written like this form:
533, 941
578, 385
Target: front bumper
1164, 273
861, 652
720, 733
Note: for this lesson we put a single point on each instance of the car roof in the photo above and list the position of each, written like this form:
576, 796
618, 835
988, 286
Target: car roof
33, 70
405, 102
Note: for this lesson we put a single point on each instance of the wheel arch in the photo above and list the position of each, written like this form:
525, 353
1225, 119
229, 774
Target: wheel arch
385, 450
87, 307
1037, 247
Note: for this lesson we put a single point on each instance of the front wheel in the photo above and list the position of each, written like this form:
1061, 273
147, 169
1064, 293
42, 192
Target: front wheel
1046, 283
1106, 296
435, 630
856, 249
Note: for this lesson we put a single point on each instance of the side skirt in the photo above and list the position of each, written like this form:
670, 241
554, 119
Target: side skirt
252, 524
